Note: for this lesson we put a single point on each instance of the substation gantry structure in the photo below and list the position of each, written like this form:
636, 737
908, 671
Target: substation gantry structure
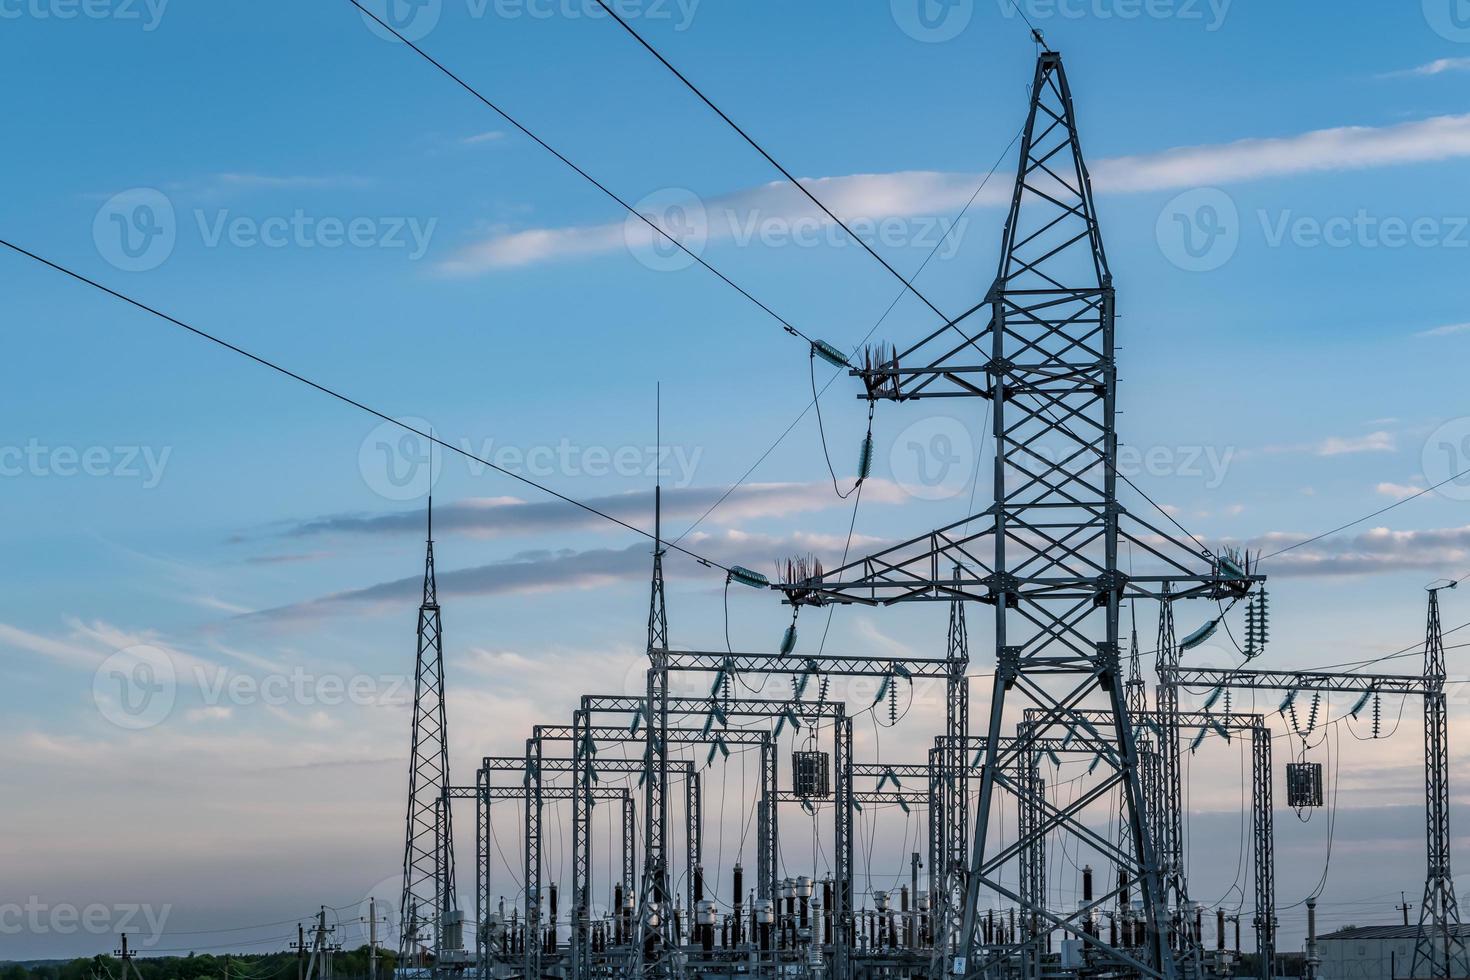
1439, 948
1039, 351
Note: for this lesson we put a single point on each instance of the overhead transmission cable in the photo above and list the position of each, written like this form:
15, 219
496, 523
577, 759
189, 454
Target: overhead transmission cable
871, 330
907, 283
786, 324
346, 399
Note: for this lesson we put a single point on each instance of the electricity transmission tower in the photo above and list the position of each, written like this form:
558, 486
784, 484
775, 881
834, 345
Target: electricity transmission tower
1045, 554
428, 852
1439, 947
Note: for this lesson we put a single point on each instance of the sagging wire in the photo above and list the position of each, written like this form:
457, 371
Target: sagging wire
830, 354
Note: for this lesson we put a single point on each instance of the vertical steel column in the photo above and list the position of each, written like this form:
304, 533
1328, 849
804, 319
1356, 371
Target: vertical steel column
1265, 851
842, 891
950, 873
1169, 818
483, 865
1439, 948
630, 845
693, 836
582, 775
532, 847
767, 842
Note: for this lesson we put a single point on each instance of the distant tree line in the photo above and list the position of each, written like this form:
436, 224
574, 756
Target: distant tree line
346, 965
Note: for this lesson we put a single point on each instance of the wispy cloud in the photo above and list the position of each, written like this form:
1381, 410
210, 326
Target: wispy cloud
542, 571
1381, 549
493, 136
1445, 331
1439, 66
1398, 491
249, 181
494, 517
1371, 442
913, 193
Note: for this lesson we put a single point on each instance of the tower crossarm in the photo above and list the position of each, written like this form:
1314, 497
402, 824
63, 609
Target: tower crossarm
775, 663
742, 707
1283, 680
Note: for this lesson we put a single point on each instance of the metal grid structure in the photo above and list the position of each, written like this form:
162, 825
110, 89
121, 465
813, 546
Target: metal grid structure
1045, 556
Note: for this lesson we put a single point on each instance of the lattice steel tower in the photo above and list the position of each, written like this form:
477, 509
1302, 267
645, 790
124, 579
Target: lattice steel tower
655, 905
1045, 554
1439, 948
428, 851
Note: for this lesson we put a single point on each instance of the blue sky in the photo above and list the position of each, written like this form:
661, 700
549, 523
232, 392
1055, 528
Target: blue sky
339, 206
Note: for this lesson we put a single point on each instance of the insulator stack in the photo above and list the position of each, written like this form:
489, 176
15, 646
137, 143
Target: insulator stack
1257, 624
829, 353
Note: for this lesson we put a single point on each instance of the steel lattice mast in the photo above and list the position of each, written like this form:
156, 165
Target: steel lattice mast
1045, 555
428, 851
655, 907
1439, 948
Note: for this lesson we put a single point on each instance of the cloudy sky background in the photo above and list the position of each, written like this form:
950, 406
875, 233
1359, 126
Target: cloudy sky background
1302, 371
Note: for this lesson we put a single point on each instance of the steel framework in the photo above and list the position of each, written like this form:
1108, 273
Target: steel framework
1439, 913
1046, 363
428, 845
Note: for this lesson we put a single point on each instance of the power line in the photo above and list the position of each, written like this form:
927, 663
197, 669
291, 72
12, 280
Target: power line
786, 324
907, 283
1367, 517
346, 399
871, 330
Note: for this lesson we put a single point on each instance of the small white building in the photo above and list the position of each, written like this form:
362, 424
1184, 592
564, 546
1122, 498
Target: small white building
1376, 953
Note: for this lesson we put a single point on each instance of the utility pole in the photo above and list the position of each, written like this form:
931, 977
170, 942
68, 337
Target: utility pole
126, 955
1404, 906
1313, 960
300, 946
373, 938
319, 967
